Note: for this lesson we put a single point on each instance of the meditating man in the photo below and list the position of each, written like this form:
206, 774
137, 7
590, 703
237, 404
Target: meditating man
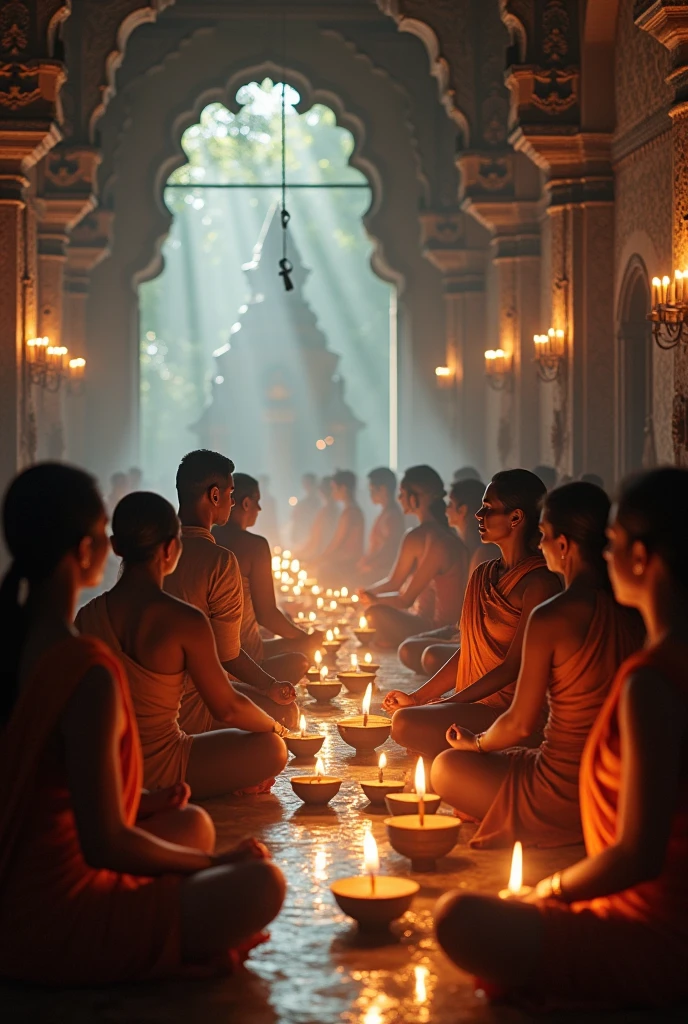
290, 653
500, 596
425, 589
387, 530
336, 565
305, 511
100, 882
573, 646
208, 576
324, 525
612, 930
161, 641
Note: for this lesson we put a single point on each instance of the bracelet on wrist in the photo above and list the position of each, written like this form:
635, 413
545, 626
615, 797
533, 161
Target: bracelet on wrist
479, 742
555, 886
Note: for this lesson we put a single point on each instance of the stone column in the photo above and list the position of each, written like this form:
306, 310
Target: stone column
668, 23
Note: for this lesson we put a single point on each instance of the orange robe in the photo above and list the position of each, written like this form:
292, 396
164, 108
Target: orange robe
488, 626
630, 948
156, 697
61, 921
538, 800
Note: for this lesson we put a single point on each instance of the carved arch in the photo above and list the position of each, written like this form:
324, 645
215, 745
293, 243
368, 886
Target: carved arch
635, 378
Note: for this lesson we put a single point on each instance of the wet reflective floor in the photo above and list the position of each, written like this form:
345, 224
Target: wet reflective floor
316, 968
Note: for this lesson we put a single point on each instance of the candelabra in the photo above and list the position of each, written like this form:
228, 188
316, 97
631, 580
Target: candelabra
444, 375
497, 368
669, 314
550, 354
50, 365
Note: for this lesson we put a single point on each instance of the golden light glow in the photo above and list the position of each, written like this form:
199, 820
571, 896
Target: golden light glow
276, 563
76, 368
345, 591
293, 500
442, 371
312, 616
516, 876
317, 658
368, 658
371, 858
329, 440
419, 778
336, 631
333, 606
320, 864
354, 662
421, 992
368, 696
320, 603
319, 768
323, 673
320, 445
382, 761
302, 725
355, 598
362, 622
329, 636
315, 590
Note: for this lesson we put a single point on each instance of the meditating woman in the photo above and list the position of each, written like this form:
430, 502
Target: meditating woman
425, 589
427, 652
336, 564
160, 639
500, 596
99, 881
324, 524
573, 646
612, 930
387, 530
290, 653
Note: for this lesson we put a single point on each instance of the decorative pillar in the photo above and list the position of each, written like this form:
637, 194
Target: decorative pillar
452, 242
30, 81
668, 23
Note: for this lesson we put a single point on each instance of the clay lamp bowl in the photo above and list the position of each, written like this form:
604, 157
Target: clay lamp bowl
365, 732
377, 789
356, 682
421, 837
407, 803
314, 673
345, 598
303, 744
368, 665
324, 690
364, 634
318, 788
373, 900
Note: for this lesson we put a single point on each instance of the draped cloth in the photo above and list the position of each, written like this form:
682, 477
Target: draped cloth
538, 800
488, 625
630, 948
63, 922
156, 697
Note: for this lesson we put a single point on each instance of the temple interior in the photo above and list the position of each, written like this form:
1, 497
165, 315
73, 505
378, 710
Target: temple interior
441, 240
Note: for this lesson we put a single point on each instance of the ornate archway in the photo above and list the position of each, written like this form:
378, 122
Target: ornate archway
635, 383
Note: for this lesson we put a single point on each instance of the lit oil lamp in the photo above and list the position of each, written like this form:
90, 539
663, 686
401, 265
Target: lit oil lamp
365, 732
377, 789
369, 665
313, 672
373, 900
421, 837
344, 597
303, 744
318, 788
354, 679
515, 887
330, 647
324, 689
365, 634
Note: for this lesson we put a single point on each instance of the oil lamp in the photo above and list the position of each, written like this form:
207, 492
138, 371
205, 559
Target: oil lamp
373, 900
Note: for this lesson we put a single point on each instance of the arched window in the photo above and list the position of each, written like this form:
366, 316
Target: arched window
636, 442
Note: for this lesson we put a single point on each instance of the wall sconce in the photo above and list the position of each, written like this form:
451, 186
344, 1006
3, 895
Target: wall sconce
497, 368
50, 364
550, 354
444, 375
669, 314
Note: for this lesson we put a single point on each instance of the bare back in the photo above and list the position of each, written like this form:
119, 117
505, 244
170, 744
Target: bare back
152, 627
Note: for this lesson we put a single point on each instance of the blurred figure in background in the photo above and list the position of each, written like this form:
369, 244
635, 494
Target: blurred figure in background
270, 522
305, 511
324, 524
465, 473
337, 564
387, 530
547, 474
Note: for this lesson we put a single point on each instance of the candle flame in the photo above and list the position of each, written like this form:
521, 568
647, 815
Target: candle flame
315, 590
295, 565
421, 993
365, 706
420, 777
276, 562
333, 606
382, 761
354, 662
516, 876
368, 658
320, 604
317, 657
319, 768
312, 616
302, 725
337, 593
355, 598
371, 858
336, 631
286, 554
362, 622
329, 635
345, 591
323, 673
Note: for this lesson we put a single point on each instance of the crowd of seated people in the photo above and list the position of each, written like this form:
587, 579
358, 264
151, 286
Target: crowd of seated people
550, 625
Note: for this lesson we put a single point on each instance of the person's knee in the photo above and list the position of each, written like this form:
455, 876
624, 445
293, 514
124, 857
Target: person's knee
403, 727
199, 830
441, 771
409, 655
378, 615
433, 658
270, 888
457, 916
273, 753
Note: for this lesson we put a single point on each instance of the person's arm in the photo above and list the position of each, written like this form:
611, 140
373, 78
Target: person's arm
429, 565
263, 594
210, 678
403, 567
538, 589
443, 680
90, 730
521, 718
652, 724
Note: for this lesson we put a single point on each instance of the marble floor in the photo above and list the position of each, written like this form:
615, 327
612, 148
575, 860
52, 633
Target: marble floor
316, 969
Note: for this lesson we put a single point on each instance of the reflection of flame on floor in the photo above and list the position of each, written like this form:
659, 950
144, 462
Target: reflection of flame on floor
373, 1015
320, 865
421, 974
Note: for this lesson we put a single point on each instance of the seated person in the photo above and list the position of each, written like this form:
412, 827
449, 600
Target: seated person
160, 640
305, 511
387, 530
100, 882
289, 655
208, 576
425, 588
428, 652
324, 524
573, 646
336, 564
500, 596
611, 931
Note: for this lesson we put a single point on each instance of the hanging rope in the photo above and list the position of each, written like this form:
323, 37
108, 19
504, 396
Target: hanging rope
285, 264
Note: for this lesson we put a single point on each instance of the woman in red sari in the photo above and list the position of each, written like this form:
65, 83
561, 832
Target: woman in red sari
612, 930
99, 882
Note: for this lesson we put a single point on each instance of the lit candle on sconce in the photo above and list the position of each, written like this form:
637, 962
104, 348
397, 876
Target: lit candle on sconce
665, 289
56, 357
77, 368
36, 349
656, 291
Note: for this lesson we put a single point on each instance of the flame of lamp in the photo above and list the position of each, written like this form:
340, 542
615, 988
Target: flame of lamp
515, 887
371, 900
